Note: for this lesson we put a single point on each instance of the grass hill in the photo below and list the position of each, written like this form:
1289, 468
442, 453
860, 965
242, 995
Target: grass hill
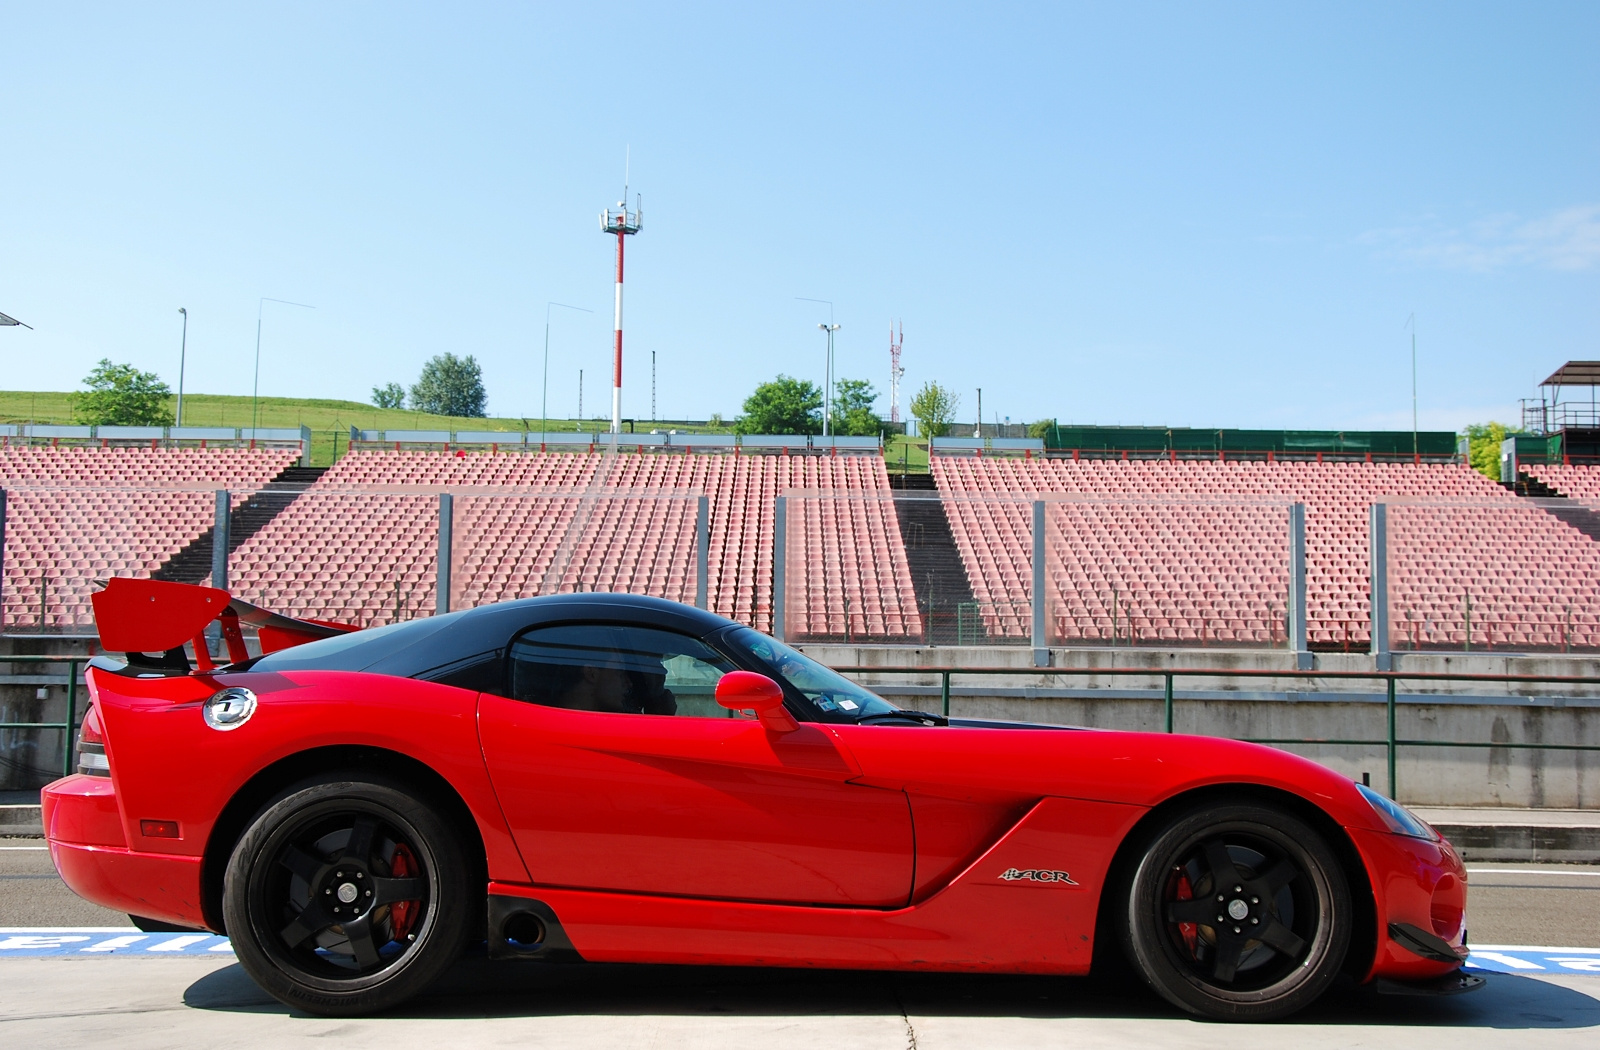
330, 421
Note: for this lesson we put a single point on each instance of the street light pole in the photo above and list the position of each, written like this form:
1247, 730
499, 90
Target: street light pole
827, 392
827, 383
544, 397
183, 350
255, 388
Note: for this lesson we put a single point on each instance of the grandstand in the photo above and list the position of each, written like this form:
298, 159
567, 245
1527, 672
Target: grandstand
1152, 549
79, 514
539, 523
1182, 551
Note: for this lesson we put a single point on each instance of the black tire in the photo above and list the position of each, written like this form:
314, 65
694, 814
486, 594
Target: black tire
149, 925
1282, 898
336, 845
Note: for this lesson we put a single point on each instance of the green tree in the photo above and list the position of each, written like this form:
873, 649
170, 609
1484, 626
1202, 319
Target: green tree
1041, 428
391, 395
450, 386
935, 408
784, 406
852, 408
121, 395
1483, 446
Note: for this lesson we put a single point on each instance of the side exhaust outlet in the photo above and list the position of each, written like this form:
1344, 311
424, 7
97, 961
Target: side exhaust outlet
520, 928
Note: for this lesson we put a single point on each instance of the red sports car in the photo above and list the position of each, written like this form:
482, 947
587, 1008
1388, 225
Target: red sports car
616, 778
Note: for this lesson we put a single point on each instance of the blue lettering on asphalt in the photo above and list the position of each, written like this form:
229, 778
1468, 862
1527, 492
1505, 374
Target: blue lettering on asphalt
92, 942
1512, 958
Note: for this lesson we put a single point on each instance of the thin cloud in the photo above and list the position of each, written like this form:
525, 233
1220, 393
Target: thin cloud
1568, 239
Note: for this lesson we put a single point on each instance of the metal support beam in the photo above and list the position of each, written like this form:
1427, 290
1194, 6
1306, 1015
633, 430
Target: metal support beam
1378, 584
780, 551
1041, 639
441, 574
702, 552
1297, 587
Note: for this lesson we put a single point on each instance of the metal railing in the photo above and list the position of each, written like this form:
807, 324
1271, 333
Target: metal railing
69, 727
1391, 742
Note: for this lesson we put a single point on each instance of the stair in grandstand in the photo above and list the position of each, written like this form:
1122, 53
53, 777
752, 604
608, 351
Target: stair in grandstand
1527, 485
950, 611
192, 564
1581, 518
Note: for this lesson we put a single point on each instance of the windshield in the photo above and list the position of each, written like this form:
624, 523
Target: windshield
837, 699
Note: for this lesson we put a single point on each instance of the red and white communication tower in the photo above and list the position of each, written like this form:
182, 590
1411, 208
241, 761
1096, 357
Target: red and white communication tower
622, 222
895, 372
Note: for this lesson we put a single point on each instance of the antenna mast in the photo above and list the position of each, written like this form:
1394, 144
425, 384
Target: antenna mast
895, 372
623, 223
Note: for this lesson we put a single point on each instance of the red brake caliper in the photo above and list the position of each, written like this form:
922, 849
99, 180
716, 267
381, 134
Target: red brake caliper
1187, 930
403, 914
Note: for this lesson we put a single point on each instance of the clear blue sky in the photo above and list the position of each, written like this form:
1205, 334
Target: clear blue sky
1208, 215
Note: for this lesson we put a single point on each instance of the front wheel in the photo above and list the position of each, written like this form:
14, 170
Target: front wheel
346, 897
1238, 912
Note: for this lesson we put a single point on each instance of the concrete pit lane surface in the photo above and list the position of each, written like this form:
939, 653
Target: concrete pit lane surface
111, 985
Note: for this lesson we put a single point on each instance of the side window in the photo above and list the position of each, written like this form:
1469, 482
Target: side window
608, 667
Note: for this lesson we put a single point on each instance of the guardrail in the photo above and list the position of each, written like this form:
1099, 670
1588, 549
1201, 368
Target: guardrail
70, 726
1391, 743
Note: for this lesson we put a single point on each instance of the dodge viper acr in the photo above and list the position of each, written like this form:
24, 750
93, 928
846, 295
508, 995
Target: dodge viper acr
616, 778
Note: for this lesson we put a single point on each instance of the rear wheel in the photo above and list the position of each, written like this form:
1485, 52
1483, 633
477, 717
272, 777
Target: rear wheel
346, 897
1239, 912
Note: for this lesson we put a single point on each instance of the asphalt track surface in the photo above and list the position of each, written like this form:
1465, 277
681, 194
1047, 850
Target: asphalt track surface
198, 996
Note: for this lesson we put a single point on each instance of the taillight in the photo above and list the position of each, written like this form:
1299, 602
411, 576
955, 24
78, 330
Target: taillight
92, 746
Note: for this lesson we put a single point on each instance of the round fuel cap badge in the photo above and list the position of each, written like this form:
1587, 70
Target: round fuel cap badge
230, 709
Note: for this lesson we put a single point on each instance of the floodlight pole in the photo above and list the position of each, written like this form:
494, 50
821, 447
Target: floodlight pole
623, 223
183, 350
255, 388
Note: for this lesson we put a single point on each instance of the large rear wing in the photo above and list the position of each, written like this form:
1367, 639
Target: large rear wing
158, 616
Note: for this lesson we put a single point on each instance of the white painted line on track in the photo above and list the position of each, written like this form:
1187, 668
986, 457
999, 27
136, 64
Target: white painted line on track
13, 848
1529, 871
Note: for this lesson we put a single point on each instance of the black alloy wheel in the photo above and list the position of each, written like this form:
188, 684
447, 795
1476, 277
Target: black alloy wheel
346, 897
1239, 912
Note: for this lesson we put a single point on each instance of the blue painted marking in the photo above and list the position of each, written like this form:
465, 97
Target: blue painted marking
1534, 962
35, 942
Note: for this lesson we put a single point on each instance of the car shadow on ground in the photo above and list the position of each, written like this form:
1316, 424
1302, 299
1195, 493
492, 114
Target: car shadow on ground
477, 988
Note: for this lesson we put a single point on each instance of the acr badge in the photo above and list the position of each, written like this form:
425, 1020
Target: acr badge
1037, 875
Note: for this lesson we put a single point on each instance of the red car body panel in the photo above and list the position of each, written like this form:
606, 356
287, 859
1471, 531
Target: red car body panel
978, 922
711, 840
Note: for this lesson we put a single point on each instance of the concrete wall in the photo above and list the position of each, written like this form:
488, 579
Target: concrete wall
1319, 707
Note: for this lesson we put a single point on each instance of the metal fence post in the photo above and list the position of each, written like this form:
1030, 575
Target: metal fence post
944, 692
1297, 587
702, 551
2, 560
441, 565
780, 553
1390, 742
1378, 589
1041, 641
1167, 698
72, 718
221, 523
